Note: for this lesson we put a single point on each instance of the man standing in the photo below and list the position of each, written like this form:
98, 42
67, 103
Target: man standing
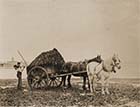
19, 68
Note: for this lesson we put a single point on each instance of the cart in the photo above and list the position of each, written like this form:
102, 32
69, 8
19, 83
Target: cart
46, 70
43, 70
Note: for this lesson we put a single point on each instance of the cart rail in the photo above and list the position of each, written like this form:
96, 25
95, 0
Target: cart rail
71, 73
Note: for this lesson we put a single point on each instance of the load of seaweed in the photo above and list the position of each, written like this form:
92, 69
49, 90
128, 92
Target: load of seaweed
49, 58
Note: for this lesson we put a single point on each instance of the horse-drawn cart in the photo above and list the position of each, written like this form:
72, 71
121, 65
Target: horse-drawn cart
47, 69
43, 70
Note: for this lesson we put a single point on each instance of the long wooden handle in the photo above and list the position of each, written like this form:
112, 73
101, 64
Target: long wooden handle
22, 58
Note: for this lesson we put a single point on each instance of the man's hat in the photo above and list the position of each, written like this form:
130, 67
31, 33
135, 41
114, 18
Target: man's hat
18, 63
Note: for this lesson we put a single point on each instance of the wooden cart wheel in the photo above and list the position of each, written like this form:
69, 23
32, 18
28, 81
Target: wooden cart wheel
54, 82
37, 78
53, 79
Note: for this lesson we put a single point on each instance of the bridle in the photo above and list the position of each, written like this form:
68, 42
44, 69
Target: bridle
116, 63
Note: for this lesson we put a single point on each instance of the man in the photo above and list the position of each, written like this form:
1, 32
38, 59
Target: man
19, 68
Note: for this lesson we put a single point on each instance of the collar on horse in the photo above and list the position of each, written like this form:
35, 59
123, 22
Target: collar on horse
105, 69
113, 67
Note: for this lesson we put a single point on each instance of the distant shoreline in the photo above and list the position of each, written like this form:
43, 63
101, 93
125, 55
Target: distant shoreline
78, 79
6, 68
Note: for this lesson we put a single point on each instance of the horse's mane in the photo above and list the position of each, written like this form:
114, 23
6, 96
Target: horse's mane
93, 60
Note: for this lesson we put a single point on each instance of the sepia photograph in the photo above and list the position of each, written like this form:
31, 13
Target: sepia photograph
69, 53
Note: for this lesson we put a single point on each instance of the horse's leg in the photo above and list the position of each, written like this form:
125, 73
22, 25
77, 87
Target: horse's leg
102, 85
84, 82
90, 79
88, 83
63, 82
106, 86
69, 84
94, 82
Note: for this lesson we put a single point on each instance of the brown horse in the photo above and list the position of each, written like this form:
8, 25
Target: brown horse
70, 67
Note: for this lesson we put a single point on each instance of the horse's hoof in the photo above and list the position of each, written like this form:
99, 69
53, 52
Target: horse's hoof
107, 92
90, 94
103, 93
69, 86
84, 88
64, 87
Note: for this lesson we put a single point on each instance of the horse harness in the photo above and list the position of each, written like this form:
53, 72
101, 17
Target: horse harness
113, 67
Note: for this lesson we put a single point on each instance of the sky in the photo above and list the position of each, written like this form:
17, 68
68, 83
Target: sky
79, 29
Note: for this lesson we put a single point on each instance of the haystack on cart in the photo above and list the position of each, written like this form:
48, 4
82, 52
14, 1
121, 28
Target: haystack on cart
43, 70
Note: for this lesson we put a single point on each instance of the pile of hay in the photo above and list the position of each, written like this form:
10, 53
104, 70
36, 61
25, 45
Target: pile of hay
46, 59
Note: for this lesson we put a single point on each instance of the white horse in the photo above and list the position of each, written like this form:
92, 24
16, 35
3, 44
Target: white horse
102, 72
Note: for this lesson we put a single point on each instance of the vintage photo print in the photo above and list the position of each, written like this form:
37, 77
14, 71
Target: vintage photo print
70, 53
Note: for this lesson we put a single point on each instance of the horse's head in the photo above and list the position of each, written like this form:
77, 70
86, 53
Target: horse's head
98, 59
116, 61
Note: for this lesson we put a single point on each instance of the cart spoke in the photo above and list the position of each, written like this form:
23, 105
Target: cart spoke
33, 84
56, 83
40, 78
43, 83
46, 82
53, 84
50, 83
58, 80
38, 85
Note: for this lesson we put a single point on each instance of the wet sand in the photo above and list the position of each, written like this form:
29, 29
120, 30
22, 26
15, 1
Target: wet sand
122, 94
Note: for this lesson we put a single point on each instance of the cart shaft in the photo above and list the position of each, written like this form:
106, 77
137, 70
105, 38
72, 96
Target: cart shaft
66, 74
